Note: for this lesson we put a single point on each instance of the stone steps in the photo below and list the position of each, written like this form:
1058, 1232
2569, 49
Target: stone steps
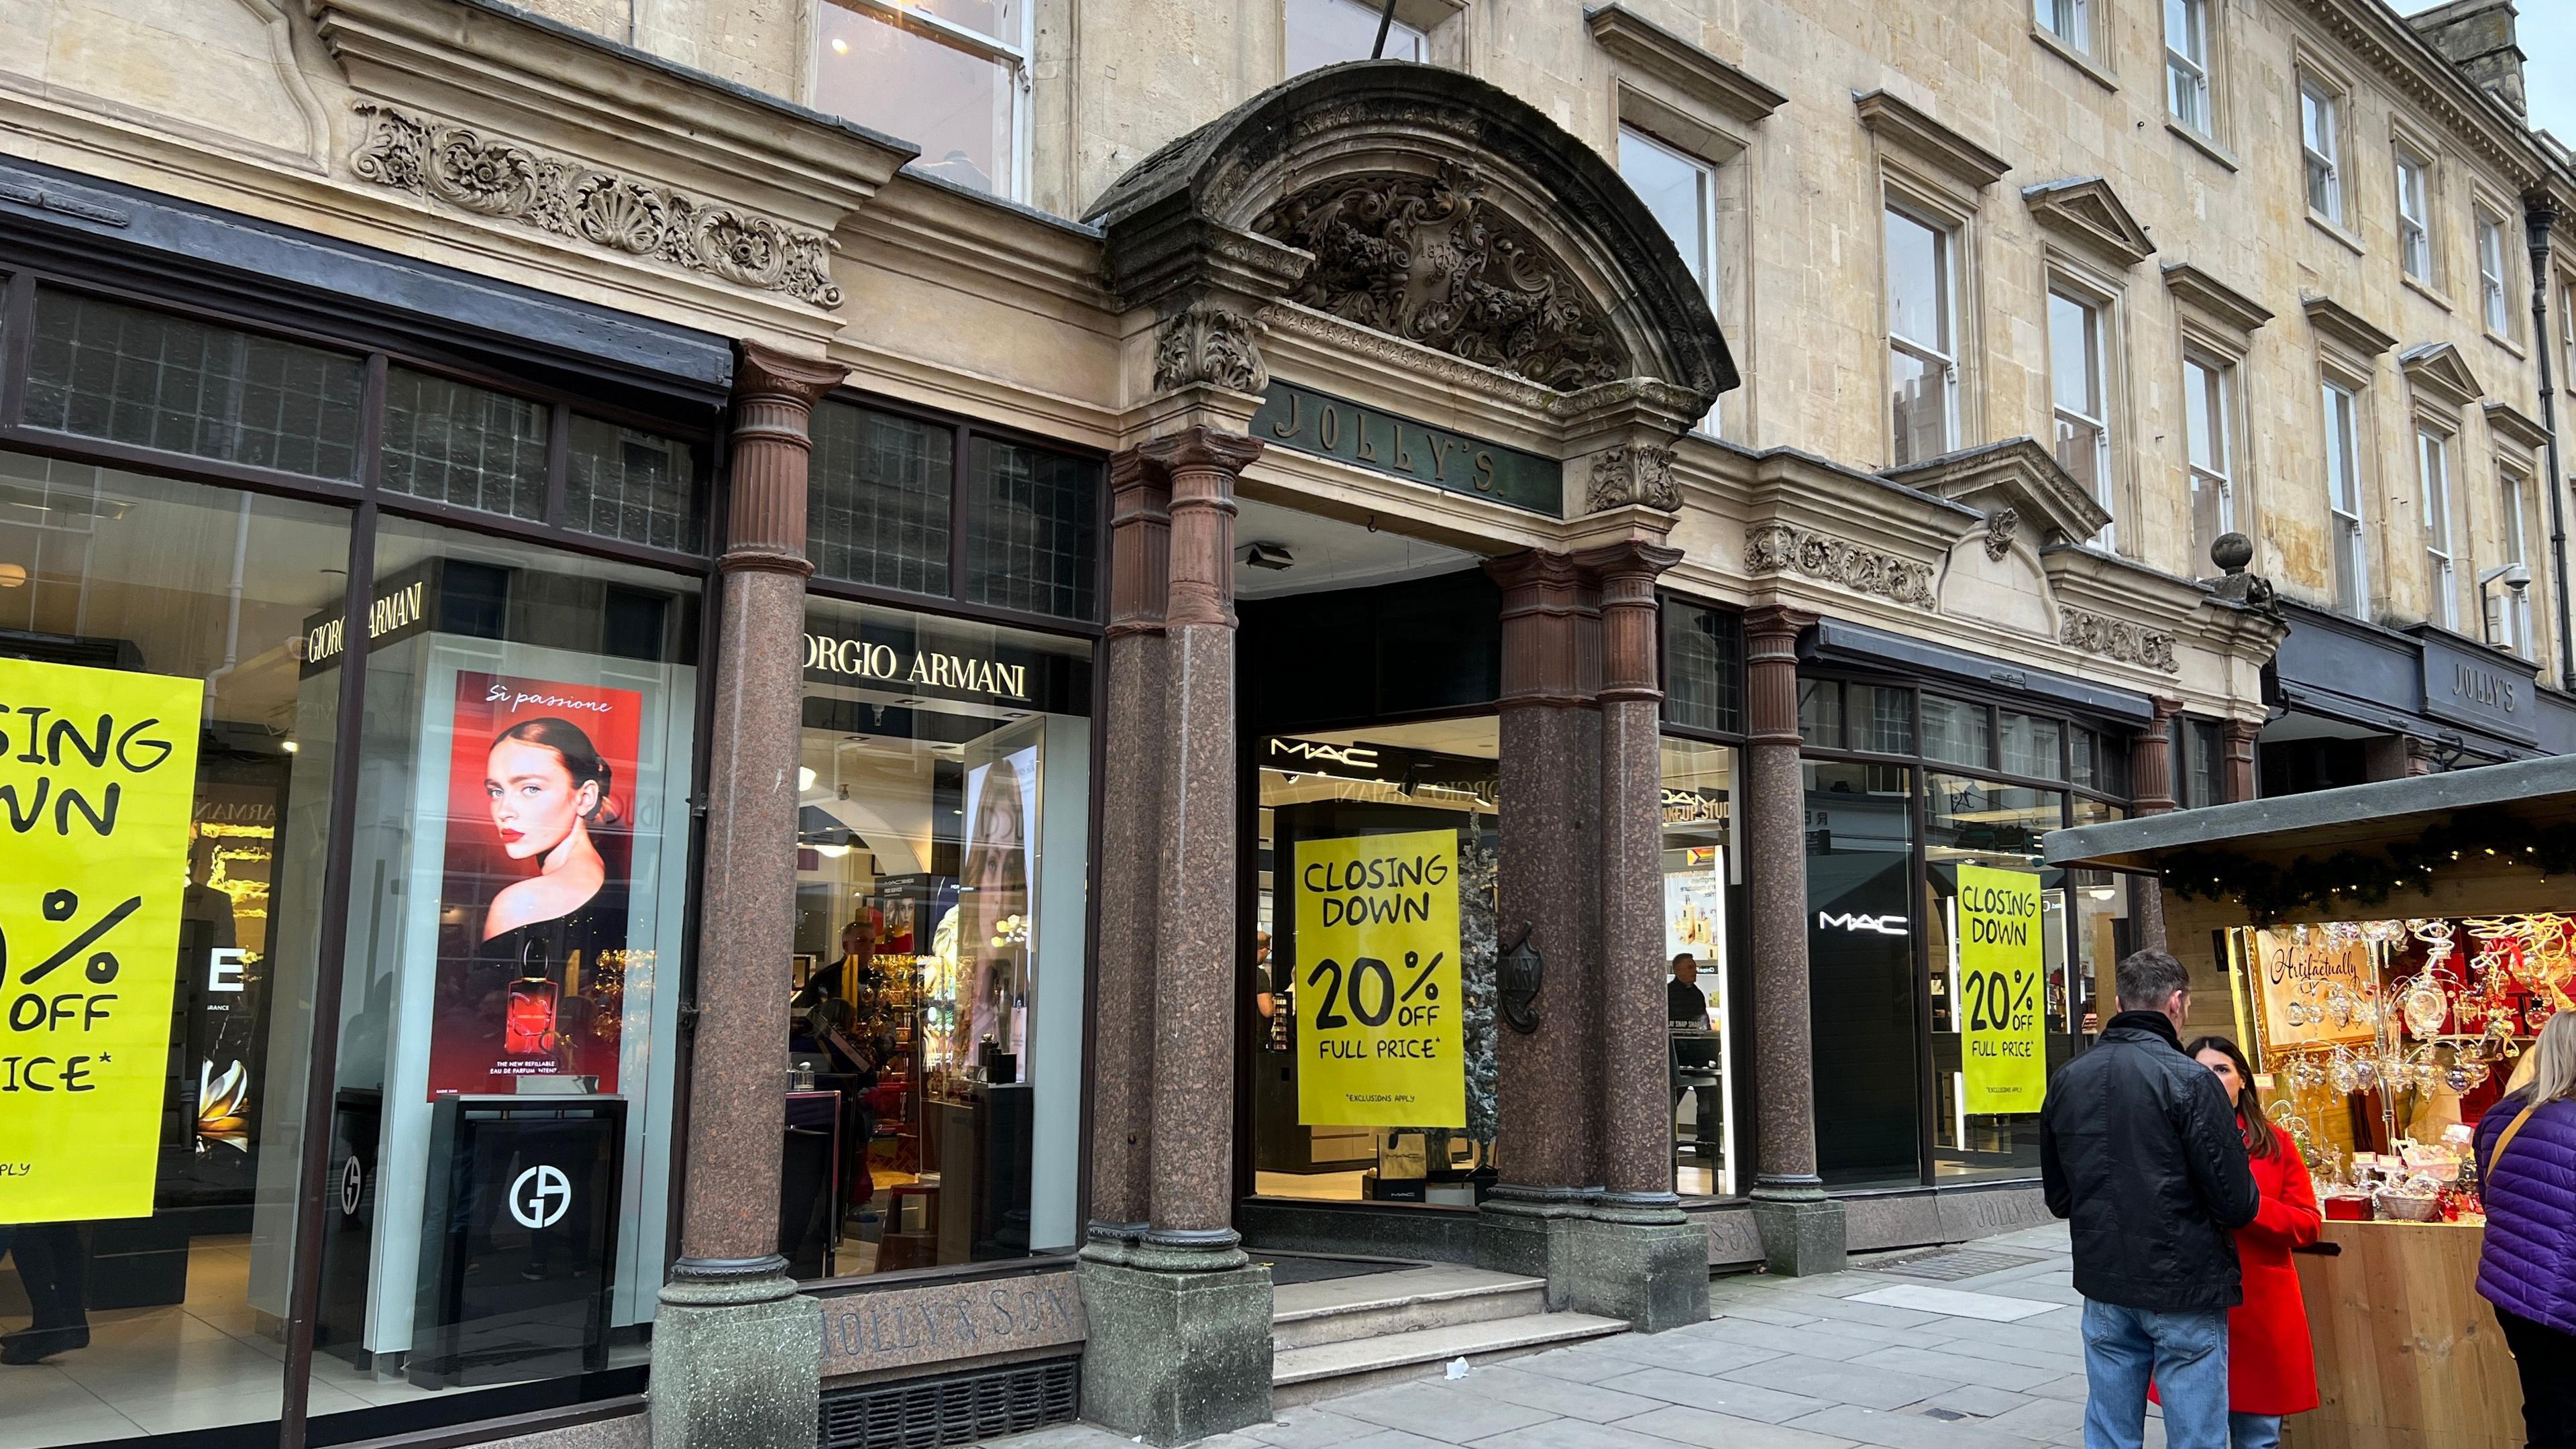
1346, 1334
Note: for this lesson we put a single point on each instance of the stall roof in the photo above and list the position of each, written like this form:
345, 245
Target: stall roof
2542, 791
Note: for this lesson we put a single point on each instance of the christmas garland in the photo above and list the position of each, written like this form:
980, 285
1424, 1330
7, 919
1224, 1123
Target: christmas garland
2352, 877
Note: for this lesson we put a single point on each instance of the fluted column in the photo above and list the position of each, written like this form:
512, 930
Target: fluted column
1190, 1203
2151, 791
737, 1351
1637, 1151
1130, 871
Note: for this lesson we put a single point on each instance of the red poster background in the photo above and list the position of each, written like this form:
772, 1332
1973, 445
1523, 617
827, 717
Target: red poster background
479, 988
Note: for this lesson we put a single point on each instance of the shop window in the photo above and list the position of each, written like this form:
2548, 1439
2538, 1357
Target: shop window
1860, 955
150, 1221
2101, 762
1957, 733
2106, 929
1032, 526
636, 486
1882, 719
881, 491
1439, 782
1997, 827
104, 370
2030, 744
1820, 713
1922, 356
1703, 668
1328, 32
2199, 764
950, 76
938, 982
1701, 871
509, 1032
466, 446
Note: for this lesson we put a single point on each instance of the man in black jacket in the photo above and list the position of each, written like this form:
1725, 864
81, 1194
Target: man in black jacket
2139, 1146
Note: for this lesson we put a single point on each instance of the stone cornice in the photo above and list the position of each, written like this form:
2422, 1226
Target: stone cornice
1654, 51
2439, 374
2394, 53
2086, 212
2334, 320
1900, 121
2021, 474
493, 66
1043, 264
2516, 426
2221, 304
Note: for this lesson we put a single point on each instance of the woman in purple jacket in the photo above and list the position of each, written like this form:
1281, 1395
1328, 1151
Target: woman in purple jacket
2528, 1270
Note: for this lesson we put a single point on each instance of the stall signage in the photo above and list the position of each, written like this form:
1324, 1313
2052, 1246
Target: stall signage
2299, 972
2469, 688
898, 1328
98, 769
1377, 982
1313, 422
2002, 990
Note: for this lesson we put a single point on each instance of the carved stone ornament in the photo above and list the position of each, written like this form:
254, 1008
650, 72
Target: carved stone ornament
1772, 548
1639, 474
2117, 639
1425, 259
1204, 343
2001, 525
1519, 972
463, 168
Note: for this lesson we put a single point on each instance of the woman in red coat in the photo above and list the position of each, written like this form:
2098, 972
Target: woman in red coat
2271, 1366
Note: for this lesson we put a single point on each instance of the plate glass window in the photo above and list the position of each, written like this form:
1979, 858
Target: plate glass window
2512, 606
2442, 599
2076, 383
2320, 140
2343, 497
1682, 193
1328, 32
1922, 365
949, 76
2069, 20
2492, 303
2205, 421
2414, 216
1700, 871
2187, 62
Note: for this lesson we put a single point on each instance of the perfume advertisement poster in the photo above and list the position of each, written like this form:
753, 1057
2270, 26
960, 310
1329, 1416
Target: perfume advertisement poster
532, 909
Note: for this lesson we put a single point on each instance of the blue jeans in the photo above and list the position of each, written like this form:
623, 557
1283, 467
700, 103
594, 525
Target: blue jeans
2183, 1354
2253, 1431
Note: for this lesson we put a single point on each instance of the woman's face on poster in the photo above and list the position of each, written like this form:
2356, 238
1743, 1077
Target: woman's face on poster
535, 804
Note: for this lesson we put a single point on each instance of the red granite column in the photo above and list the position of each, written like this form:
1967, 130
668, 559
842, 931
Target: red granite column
2151, 792
737, 1351
1192, 1190
1637, 1149
1802, 1230
2239, 736
1131, 827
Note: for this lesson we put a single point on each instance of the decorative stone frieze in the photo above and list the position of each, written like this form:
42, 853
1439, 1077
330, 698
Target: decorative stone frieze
2001, 525
1773, 548
1424, 258
2117, 639
458, 166
1205, 343
1634, 474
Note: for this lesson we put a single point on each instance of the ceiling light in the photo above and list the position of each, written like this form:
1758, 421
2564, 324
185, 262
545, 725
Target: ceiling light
840, 46
1268, 556
12, 575
832, 852
804, 778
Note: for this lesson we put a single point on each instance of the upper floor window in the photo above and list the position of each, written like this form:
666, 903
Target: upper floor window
1681, 191
950, 76
2512, 604
2075, 367
2441, 582
1922, 361
1328, 32
2414, 216
2492, 305
2205, 387
2187, 63
2069, 20
2320, 137
2347, 544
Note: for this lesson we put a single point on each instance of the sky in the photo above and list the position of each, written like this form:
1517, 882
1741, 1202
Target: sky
2547, 30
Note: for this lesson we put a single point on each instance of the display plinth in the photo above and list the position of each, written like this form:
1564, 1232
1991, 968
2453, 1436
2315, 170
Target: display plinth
2407, 1352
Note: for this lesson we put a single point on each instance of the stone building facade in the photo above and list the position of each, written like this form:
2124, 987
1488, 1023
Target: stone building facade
1000, 480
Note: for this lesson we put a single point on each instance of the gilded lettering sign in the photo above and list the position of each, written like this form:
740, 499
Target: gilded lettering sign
1331, 427
896, 1328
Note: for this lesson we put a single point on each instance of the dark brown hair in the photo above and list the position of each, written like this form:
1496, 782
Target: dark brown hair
581, 758
2261, 1139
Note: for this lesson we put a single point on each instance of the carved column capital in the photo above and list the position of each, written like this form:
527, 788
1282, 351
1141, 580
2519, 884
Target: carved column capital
774, 394
1208, 344
1634, 473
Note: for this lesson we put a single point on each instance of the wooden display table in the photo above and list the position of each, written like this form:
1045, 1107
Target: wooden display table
2408, 1355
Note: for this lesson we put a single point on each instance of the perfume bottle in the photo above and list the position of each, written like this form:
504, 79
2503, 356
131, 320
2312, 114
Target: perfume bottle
528, 1025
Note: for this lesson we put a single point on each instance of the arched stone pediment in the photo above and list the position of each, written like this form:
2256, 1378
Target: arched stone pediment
1427, 205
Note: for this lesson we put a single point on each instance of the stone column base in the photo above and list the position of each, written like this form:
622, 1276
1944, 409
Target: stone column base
1655, 1275
1533, 1239
1174, 1357
737, 1364
1801, 1237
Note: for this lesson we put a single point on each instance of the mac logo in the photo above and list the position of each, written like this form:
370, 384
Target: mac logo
1876, 925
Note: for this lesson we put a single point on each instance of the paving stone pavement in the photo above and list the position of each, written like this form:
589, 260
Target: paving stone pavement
1783, 1363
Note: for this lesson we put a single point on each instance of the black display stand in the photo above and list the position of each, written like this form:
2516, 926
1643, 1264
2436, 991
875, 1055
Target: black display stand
518, 1244
349, 1224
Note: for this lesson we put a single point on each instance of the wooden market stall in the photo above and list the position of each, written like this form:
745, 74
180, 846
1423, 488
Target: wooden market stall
2384, 953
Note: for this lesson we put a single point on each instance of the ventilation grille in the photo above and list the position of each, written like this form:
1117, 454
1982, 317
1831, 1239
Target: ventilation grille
1950, 1265
952, 1408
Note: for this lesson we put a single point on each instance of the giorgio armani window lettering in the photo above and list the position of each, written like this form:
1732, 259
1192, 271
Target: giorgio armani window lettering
938, 669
